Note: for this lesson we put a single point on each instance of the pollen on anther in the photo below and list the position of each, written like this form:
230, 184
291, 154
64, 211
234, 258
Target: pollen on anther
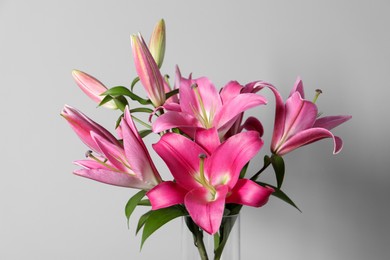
88, 153
202, 156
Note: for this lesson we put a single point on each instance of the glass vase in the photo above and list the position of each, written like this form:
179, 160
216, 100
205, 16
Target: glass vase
199, 245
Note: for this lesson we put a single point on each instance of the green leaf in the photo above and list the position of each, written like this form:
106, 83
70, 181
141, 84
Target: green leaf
123, 91
243, 171
144, 202
224, 232
118, 121
105, 100
158, 218
145, 132
141, 122
278, 165
280, 195
135, 81
120, 102
132, 203
172, 93
142, 220
141, 109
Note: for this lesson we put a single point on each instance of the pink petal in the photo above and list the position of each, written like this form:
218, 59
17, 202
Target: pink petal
190, 102
114, 178
205, 210
256, 86
280, 118
298, 87
207, 138
114, 154
253, 124
166, 194
330, 122
148, 71
136, 152
236, 106
309, 136
172, 107
182, 158
249, 193
225, 164
300, 115
90, 164
172, 119
92, 87
83, 125
230, 91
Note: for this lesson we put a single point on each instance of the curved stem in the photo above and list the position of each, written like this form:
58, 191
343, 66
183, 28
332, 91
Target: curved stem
267, 162
200, 244
198, 238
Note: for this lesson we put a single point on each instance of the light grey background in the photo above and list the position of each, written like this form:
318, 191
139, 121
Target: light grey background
341, 47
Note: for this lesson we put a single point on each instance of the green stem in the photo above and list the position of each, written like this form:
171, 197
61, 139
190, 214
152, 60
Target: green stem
200, 244
265, 166
198, 238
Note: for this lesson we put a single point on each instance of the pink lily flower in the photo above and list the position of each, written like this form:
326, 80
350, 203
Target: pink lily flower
127, 165
234, 89
83, 126
207, 175
296, 123
148, 71
201, 107
92, 87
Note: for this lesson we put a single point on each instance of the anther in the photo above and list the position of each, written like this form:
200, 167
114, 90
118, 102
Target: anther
202, 156
318, 92
194, 86
88, 153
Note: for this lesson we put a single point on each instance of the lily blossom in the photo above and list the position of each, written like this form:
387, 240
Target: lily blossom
148, 71
201, 107
157, 43
83, 126
296, 123
92, 87
234, 89
127, 165
206, 178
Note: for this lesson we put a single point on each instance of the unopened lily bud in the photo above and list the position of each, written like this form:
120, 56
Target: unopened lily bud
148, 71
92, 87
157, 43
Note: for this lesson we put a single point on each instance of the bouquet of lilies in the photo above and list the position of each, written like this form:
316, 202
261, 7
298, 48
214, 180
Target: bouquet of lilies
205, 141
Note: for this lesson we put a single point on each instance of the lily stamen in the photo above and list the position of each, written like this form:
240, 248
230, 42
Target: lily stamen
202, 180
318, 93
206, 119
90, 155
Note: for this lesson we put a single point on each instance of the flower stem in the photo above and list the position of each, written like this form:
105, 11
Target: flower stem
200, 245
198, 237
267, 162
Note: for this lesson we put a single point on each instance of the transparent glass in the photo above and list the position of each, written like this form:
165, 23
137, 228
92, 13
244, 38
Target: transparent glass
199, 245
